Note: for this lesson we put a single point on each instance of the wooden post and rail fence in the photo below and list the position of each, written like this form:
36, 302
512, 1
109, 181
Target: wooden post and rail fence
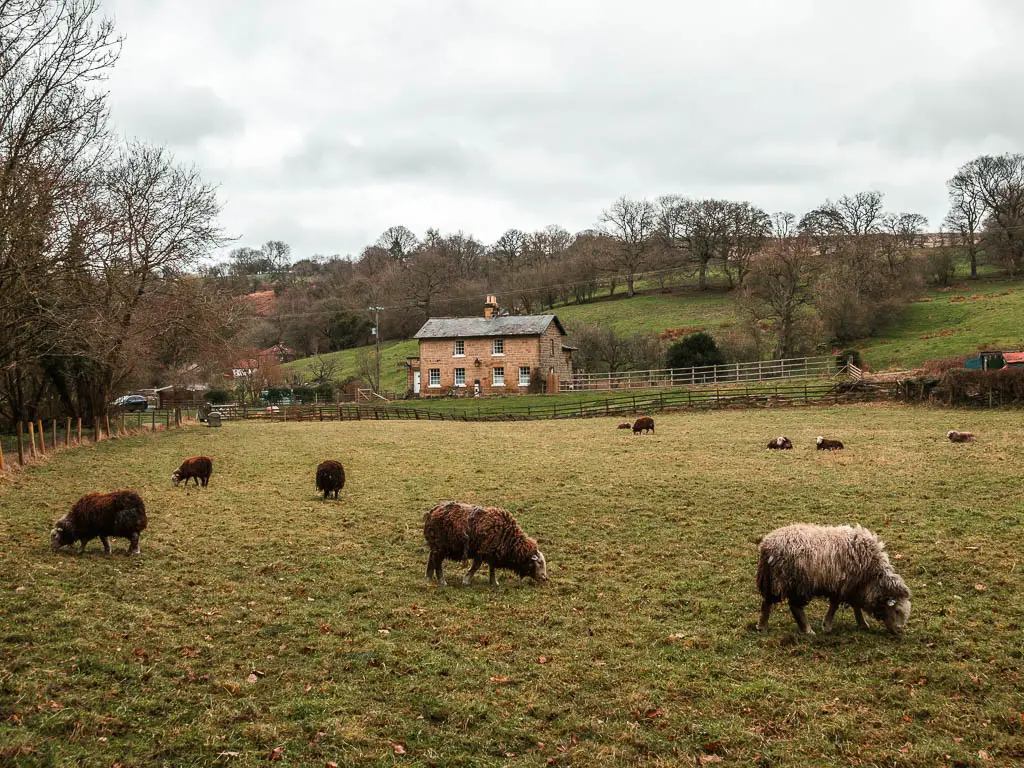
31, 439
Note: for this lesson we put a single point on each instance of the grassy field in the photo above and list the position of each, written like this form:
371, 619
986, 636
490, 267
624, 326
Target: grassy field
959, 321
392, 377
938, 324
262, 622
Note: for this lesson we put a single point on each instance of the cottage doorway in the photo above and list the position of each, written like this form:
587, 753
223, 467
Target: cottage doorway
415, 382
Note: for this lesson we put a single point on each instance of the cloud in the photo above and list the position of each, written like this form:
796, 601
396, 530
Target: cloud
331, 122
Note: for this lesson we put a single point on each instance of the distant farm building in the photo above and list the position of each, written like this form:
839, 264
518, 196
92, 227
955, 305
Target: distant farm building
993, 361
263, 358
493, 354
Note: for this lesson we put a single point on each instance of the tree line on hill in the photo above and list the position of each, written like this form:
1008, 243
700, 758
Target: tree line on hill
837, 273
98, 236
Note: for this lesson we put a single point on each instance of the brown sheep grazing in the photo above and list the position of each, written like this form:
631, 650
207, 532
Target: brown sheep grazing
780, 444
625, 425
828, 445
643, 424
198, 468
119, 514
330, 477
845, 564
960, 437
458, 531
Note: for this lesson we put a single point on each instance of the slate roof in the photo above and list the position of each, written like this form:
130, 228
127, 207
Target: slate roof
470, 327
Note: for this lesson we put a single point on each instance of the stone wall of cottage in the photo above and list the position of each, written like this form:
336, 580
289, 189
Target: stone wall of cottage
480, 361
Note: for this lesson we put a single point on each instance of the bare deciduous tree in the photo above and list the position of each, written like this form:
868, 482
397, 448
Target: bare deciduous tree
632, 223
966, 214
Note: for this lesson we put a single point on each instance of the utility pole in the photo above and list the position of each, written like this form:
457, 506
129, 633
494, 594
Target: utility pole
376, 335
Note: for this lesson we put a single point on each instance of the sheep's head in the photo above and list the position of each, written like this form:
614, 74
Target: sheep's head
538, 567
61, 535
892, 607
175, 478
951, 433
819, 439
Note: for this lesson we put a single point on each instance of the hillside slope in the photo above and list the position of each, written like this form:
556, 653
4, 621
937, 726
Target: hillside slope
939, 323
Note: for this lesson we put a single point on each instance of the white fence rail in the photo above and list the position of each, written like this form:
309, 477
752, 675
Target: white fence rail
760, 370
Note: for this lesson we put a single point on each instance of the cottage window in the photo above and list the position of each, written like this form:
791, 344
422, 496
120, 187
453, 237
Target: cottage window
460, 348
499, 347
524, 375
498, 376
552, 347
460, 377
434, 379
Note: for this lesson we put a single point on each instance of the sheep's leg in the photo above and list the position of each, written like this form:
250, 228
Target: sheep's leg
430, 566
492, 581
801, 618
439, 570
766, 612
81, 547
468, 578
133, 548
860, 617
106, 544
832, 606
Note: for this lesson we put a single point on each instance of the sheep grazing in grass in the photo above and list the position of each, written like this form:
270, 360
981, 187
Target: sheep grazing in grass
960, 437
330, 477
119, 514
780, 444
825, 444
198, 468
643, 424
625, 425
459, 531
845, 564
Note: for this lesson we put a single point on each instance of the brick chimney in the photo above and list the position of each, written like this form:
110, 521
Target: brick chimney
491, 307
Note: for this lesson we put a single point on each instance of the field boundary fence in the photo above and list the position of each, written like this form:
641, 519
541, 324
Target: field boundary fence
28, 442
760, 371
808, 393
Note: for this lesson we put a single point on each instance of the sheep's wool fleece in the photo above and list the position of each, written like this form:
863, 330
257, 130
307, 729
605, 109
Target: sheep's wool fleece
808, 560
495, 536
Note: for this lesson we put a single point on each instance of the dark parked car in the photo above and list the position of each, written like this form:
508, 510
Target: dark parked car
132, 403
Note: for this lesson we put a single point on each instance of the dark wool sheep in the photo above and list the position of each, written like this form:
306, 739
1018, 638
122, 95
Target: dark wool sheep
643, 424
780, 444
119, 514
330, 477
458, 531
625, 425
828, 445
198, 468
960, 437
845, 564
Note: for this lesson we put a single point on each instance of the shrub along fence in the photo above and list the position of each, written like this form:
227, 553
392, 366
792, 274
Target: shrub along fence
32, 440
990, 389
735, 397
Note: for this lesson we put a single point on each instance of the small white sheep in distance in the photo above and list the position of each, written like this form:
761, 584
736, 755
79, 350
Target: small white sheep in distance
960, 437
845, 564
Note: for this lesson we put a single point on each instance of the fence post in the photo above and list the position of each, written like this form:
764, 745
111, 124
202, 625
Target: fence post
1, 458
78, 424
106, 420
167, 419
21, 445
121, 425
54, 427
42, 437
152, 420
32, 438
67, 433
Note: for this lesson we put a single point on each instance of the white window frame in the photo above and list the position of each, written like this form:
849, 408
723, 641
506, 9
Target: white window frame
498, 348
495, 382
524, 382
460, 348
431, 378
457, 382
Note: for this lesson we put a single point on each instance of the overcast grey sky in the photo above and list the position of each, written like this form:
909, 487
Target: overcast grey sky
326, 121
